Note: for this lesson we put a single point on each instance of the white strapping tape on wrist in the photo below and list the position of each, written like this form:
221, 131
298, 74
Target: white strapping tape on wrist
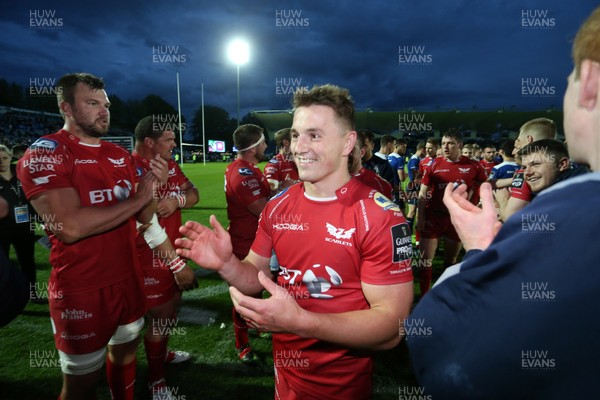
155, 235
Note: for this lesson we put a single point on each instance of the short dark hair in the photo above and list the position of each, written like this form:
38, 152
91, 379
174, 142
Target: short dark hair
454, 134
433, 141
67, 83
367, 135
386, 139
361, 137
508, 146
146, 128
332, 96
246, 135
555, 148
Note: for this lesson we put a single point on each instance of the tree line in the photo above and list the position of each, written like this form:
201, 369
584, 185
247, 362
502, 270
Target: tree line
125, 114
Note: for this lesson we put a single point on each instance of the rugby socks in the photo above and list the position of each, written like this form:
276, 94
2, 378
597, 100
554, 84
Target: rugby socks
156, 353
240, 328
121, 379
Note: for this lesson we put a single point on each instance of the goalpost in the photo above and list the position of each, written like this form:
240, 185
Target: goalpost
192, 145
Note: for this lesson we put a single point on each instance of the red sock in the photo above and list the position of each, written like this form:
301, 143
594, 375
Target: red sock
240, 328
121, 379
155, 353
425, 282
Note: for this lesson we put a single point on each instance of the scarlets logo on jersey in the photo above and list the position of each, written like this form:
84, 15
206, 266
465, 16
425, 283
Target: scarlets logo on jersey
464, 170
44, 145
384, 202
117, 163
339, 234
172, 172
245, 171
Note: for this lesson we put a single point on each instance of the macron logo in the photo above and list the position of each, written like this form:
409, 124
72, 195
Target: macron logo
339, 233
464, 170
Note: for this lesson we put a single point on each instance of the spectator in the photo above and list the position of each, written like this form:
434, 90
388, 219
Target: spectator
540, 285
13, 284
16, 227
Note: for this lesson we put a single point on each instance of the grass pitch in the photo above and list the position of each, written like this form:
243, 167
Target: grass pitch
29, 367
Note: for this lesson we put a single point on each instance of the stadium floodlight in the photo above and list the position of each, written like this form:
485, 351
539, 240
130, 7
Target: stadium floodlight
239, 53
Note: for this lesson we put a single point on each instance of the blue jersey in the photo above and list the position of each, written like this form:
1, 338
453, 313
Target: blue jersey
504, 170
519, 319
413, 164
397, 163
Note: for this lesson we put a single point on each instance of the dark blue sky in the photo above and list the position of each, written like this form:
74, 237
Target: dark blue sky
390, 54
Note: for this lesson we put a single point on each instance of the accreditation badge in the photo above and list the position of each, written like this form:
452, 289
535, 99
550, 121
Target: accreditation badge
21, 214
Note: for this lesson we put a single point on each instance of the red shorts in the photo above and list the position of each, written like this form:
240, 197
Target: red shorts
437, 225
84, 322
159, 283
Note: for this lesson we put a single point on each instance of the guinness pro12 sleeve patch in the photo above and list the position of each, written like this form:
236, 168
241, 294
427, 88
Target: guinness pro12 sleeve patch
402, 242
